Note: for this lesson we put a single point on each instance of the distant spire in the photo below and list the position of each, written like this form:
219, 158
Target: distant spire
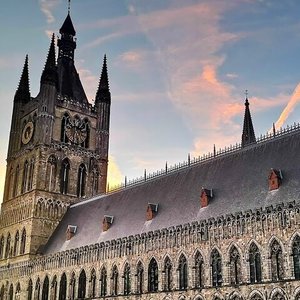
67, 27
23, 91
248, 136
103, 93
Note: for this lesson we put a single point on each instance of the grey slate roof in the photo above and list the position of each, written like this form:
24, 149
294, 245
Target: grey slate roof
239, 181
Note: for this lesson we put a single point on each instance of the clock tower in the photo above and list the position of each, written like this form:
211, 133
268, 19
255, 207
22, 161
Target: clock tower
58, 150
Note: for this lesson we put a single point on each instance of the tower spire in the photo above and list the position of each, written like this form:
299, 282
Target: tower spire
23, 90
248, 136
103, 93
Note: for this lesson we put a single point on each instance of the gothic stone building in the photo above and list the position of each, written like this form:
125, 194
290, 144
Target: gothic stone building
222, 227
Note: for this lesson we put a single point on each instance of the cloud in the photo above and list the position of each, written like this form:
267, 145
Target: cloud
115, 177
47, 8
232, 75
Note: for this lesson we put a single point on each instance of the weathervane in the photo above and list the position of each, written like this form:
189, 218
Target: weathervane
246, 93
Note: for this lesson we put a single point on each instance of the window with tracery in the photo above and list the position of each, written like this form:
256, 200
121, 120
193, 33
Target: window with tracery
254, 263
64, 176
103, 282
18, 291
1, 246
11, 292
199, 270
81, 180
235, 266
93, 283
127, 280
114, 281
256, 297
30, 175
216, 268
7, 248
29, 290
64, 122
140, 278
16, 182
54, 288
167, 272
23, 242
95, 179
276, 261
16, 244
51, 173
72, 287
45, 290
278, 296
63, 287
296, 256
37, 290
183, 274
86, 129
153, 276
25, 176
82, 285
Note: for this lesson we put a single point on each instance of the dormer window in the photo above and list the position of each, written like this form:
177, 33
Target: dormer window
152, 210
206, 195
107, 222
275, 179
71, 230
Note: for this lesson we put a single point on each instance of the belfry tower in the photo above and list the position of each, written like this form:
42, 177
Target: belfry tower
58, 150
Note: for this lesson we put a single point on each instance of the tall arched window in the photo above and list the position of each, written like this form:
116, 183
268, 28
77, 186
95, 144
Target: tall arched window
16, 244
114, 281
16, 182
140, 278
153, 276
64, 122
64, 176
296, 256
51, 173
45, 291
86, 128
54, 288
81, 180
167, 274
93, 283
276, 261
29, 290
255, 263
25, 176
82, 285
199, 269
30, 175
18, 291
127, 280
11, 292
72, 286
95, 179
1, 246
37, 291
183, 275
235, 266
7, 248
63, 287
23, 242
2, 293
216, 268
103, 282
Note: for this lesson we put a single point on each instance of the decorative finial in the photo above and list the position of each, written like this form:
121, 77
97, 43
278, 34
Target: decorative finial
69, 6
246, 93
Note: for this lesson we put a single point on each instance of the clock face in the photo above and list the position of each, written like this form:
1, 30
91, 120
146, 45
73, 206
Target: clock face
27, 133
76, 131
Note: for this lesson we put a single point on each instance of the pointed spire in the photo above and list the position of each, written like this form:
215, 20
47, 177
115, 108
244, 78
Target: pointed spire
68, 27
248, 136
23, 91
103, 93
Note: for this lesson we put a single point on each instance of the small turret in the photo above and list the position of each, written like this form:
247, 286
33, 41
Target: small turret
103, 93
248, 136
23, 92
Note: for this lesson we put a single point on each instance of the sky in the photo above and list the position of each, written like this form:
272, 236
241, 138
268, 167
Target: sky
178, 70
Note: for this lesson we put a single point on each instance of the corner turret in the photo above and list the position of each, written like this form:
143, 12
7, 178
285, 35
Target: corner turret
248, 136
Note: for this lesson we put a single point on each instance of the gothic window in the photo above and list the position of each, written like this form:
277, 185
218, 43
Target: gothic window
81, 179
93, 283
103, 282
127, 280
255, 263
2, 293
25, 177
64, 176
216, 268
7, 248
140, 278
16, 181
167, 274
297, 297
256, 297
11, 292
199, 270
82, 285
183, 275
30, 175
16, 244
51, 173
72, 287
63, 287
114, 279
37, 290
278, 296
1, 246
153, 276
23, 242
45, 291
29, 290
64, 122
296, 256
54, 288
235, 266
95, 178
85, 143
276, 261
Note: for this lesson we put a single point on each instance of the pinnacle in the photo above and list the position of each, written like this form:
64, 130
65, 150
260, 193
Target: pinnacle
248, 136
103, 93
23, 91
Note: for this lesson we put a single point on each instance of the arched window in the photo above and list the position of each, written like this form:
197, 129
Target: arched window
140, 278
183, 275
54, 288
72, 287
45, 291
86, 129
37, 290
16, 182
235, 266
7, 248
30, 175
93, 283
256, 297
1, 246
199, 269
16, 244
51, 173
81, 179
278, 296
296, 256
29, 290
216, 268
23, 242
255, 263
276, 261
18, 291
82, 285
127, 280
103, 282
64, 122
153, 276
64, 176
25, 176
114, 279
297, 297
11, 292
95, 179
167, 274
2, 293
63, 287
